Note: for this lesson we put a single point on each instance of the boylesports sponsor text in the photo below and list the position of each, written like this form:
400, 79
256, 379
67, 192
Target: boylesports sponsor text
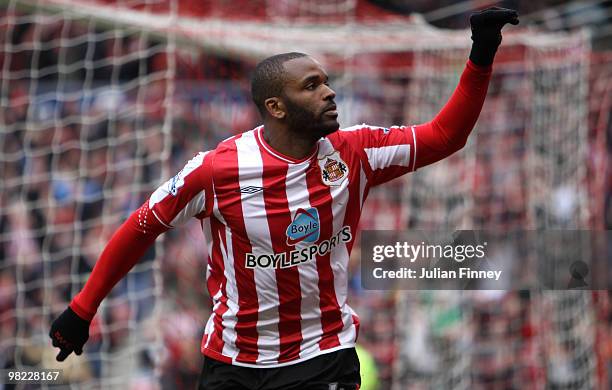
298, 256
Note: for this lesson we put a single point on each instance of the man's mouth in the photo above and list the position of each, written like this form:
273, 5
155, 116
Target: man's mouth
331, 110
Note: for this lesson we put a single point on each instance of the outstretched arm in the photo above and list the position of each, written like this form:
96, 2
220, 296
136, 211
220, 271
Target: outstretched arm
129, 243
187, 195
70, 330
449, 130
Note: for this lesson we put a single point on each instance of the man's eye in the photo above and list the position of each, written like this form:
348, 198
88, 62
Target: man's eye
310, 87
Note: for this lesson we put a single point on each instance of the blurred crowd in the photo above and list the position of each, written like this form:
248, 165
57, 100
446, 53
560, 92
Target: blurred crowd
74, 166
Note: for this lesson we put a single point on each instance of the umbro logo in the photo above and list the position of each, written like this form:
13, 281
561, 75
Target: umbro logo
249, 190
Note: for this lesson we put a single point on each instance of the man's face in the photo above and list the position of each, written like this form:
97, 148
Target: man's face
308, 99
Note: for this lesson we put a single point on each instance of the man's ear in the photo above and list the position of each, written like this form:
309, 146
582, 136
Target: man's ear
275, 107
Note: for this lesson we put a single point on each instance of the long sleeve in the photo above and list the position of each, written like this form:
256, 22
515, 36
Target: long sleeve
449, 130
387, 153
186, 195
125, 248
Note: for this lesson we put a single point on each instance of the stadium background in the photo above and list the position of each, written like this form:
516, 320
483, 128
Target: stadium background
102, 101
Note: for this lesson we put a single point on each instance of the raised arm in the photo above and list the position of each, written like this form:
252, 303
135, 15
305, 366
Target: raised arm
449, 130
387, 153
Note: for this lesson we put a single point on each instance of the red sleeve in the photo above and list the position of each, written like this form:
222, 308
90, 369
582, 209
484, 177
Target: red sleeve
385, 153
449, 130
188, 194
125, 248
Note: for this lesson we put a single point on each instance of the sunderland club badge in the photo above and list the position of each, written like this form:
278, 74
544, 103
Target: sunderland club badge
333, 169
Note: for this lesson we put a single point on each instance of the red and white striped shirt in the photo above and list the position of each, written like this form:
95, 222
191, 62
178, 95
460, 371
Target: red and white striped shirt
279, 234
280, 230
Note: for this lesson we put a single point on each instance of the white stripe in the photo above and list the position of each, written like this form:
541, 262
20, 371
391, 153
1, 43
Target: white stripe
207, 231
310, 311
176, 183
194, 207
386, 156
363, 181
415, 149
339, 256
228, 320
250, 167
210, 325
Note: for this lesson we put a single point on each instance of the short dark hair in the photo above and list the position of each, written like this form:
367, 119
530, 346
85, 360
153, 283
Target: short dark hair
268, 78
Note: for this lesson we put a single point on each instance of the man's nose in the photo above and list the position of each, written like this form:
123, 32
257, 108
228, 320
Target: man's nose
330, 94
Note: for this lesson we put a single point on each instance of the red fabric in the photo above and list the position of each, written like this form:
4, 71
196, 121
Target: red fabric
379, 165
125, 248
216, 282
287, 280
227, 189
320, 197
449, 130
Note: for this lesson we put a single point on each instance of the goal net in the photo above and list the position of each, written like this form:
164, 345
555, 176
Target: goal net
84, 138
102, 101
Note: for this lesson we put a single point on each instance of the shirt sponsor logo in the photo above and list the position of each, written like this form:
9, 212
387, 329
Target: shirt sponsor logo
333, 169
305, 226
298, 256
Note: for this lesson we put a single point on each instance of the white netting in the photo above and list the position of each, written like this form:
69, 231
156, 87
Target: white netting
84, 131
525, 167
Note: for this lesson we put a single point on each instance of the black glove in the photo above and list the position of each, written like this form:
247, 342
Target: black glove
486, 32
69, 333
